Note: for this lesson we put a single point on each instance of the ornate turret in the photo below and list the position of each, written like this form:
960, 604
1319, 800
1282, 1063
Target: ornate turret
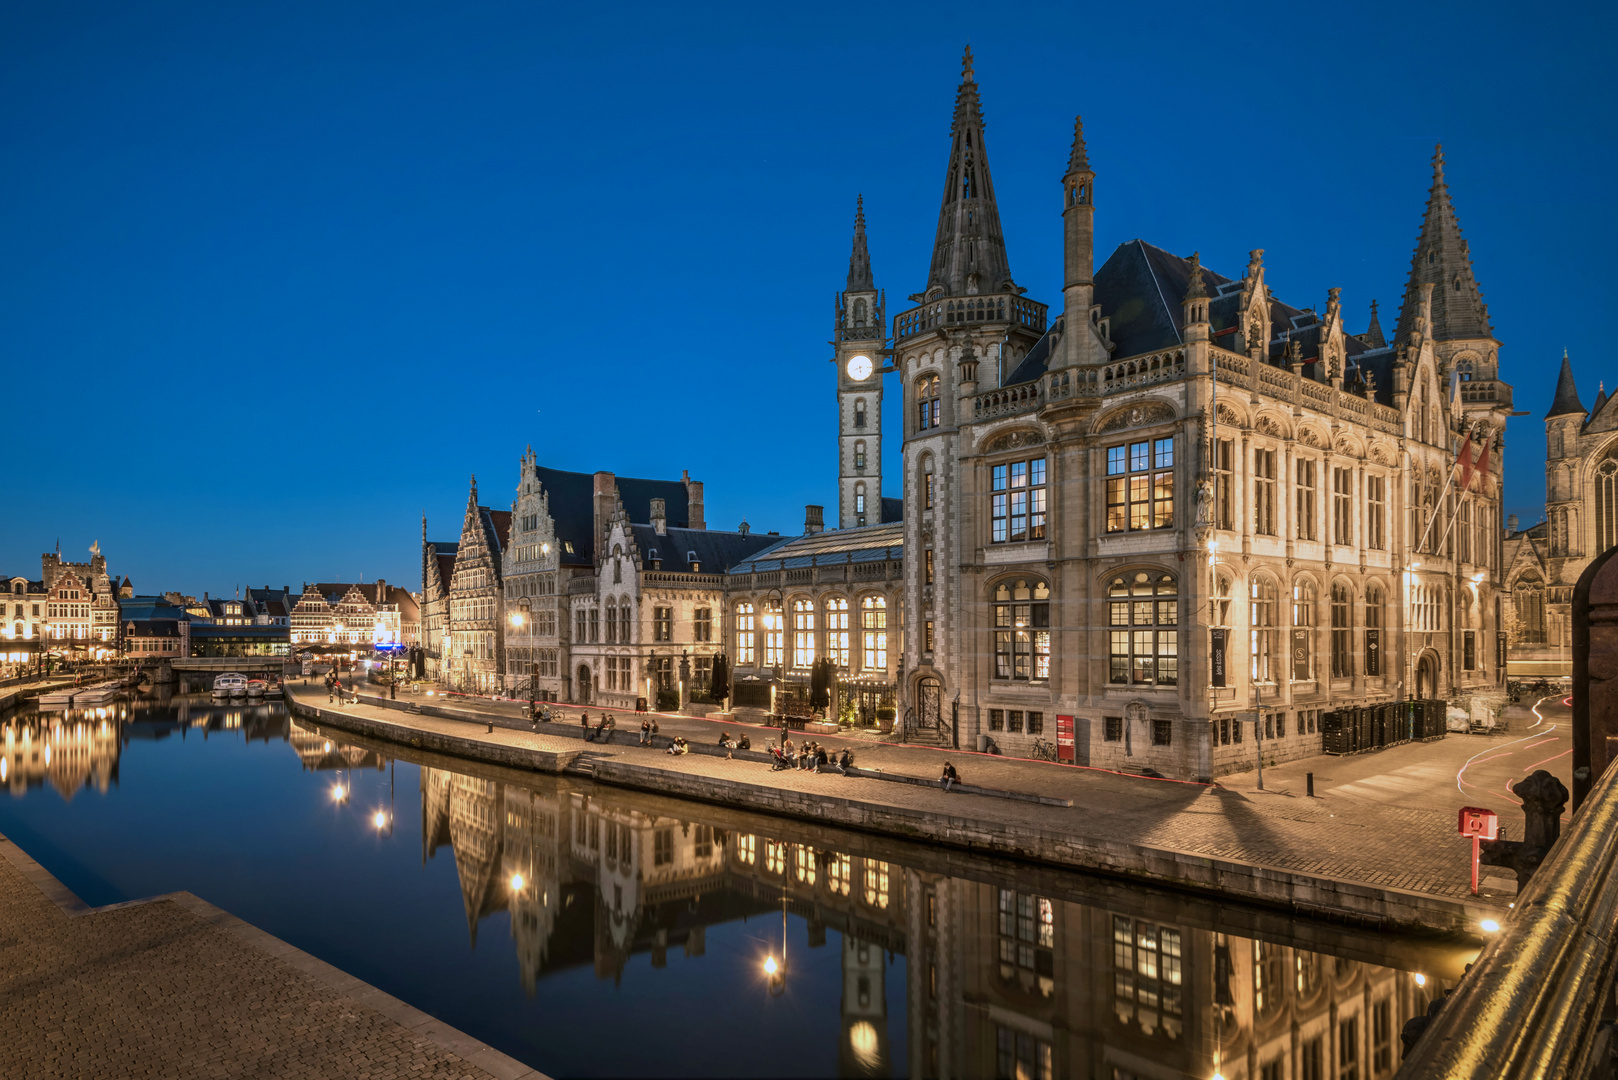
969, 252
1443, 260
1195, 303
1372, 338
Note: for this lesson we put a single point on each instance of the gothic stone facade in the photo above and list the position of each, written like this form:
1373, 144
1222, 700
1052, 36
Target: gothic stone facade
1058, 565
1543, 563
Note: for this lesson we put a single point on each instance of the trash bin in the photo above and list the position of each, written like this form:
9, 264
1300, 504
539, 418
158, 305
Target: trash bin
983, 744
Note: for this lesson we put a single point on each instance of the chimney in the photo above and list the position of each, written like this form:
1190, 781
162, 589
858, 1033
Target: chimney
605, 502
693, 501
660, 521
1511, 523
814, 519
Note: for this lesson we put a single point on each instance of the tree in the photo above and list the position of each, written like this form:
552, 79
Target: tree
719, 688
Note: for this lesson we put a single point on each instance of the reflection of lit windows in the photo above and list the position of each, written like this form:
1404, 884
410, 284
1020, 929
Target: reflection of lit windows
702, 841
839, 874
1147, 975
663, 847
746, 849
876, 884
1027, 936
1268, 978
803, 865
1021, 1056
775, 857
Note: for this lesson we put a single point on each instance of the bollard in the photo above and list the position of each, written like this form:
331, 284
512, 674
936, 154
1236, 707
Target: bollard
1309, 779
491, 728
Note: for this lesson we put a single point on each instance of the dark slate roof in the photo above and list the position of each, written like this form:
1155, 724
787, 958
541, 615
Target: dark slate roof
572, 505
139, 608
892, 509
152, 627
1032, 367
497, 526
1140, 289
1567, 395
873, 543
715, 550
446, 565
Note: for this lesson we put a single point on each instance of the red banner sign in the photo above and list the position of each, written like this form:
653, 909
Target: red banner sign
1064, 738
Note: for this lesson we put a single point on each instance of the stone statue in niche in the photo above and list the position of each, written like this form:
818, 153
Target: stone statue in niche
1137, 712
1205, 494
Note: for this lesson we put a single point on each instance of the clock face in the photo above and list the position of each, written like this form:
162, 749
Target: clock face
859, 368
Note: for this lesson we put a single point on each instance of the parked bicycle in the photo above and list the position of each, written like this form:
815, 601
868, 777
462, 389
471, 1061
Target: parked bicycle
1045, 749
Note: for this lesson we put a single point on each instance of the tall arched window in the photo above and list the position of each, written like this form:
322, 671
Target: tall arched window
1144, 629
859, 313
803, 633
925, 492
1558, 532
1342, 606
859, 503
874, 632
746, 640
1529, 597
1022, 635
859, 453
837, 631
859, 412
1303, 618
612, 625
1606, 485
1373, 629
927, 408
773, 631
1261, 620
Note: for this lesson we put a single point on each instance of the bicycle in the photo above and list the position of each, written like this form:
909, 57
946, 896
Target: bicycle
1044, 750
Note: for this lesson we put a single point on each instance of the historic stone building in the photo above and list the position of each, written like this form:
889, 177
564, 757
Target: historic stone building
1185, 512
437, 571
472, 649
1543, 563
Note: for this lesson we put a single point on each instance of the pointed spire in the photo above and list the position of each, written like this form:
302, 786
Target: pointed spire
1567, 395
1373, 333
969, 251
859, 263
1601, 399
1079, 159
1442, 259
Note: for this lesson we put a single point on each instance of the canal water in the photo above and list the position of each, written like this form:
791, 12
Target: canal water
594, 932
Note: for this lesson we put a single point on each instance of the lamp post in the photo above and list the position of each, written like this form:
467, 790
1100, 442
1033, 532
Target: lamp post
780, 655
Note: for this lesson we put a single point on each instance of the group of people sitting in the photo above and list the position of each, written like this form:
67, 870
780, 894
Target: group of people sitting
811, 757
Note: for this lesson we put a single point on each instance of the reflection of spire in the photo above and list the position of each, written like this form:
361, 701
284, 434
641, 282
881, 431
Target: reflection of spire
474, 813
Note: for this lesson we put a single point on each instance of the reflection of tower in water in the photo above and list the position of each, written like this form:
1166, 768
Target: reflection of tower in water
863, 1048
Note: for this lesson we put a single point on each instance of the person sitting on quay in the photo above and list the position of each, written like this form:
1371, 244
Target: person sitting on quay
821, 760
608, 723
950, 776
845, 761
646, 732
679, 746
744, 743
726, 741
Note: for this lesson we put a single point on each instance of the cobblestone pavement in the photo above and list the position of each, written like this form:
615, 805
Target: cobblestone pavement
1398, 834
175, 988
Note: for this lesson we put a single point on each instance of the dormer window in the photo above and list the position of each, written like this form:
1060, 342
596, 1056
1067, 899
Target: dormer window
654, 559
694, 562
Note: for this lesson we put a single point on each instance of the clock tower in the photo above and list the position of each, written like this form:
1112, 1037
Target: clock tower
860, 339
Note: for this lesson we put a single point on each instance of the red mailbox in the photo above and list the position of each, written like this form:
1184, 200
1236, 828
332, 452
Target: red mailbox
1481, 823
1478, 824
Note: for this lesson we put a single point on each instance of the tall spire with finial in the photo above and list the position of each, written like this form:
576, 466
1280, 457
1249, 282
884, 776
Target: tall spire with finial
969, 251
1078, 159
1373, 333
1567, 395
1443, 260
859, 262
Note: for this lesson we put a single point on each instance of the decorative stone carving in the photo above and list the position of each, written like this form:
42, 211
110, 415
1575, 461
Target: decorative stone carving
1345, 445
1379, 454
1228, 416
1151, 412
1310, 437
1011, 440
1137, 712
1267, 426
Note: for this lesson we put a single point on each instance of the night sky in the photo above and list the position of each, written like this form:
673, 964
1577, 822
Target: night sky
279, 278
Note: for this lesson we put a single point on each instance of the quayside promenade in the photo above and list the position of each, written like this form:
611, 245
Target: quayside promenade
1377, 844
175, 987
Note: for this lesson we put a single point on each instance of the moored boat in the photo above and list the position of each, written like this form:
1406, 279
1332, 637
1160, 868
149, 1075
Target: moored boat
256, 687
99, 694
58, 697
230, 684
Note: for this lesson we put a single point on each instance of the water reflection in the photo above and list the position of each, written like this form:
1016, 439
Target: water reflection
916, 960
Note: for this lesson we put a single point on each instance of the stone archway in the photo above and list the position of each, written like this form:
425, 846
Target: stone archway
1427, 677
584, 684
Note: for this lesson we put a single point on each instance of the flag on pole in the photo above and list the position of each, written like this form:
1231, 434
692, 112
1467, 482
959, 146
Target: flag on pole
1464, 460
1482, 467
1455, 390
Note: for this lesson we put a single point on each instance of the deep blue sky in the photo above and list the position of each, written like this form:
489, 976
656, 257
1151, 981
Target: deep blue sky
277, 278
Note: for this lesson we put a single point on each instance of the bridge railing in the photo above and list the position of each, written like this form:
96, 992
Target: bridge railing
1539, 1000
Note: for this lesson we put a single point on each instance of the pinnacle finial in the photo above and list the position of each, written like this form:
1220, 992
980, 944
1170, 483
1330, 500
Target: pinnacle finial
966, 66
1079, 159
859, 213
1438, 161
1196, 290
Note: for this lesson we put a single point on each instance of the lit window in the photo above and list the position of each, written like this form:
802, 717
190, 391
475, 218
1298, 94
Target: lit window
773, 630
1140, 486
803, 633
927, 403
745, 635
1022, 635
874, 632
837, 631
1143, 629
1017, 501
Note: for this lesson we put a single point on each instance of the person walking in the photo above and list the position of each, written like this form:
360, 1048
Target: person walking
584, 722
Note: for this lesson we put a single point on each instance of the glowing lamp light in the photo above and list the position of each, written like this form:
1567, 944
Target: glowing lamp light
516, 618
1490, 926
1477, 578
770, 966
338, 792
328, 748
2, 768
1421, 980
544, 549
516, 882
380, 820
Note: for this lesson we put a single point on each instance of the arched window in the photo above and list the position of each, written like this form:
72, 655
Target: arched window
1529, 597
745, 635
1464, 369
1303, 618
1342, 664
876, 884
837, 631
859, 503
1022, 635
1606, 485
859, 313
925, 493
874, 632
1373, 629
612, 625
773, 631
803, 633
859, 454
859, 412
1144, 629
1558, 532
927, 408
1261, 620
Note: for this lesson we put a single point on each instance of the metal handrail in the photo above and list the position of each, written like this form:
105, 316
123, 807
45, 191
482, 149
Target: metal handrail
1534, 1003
